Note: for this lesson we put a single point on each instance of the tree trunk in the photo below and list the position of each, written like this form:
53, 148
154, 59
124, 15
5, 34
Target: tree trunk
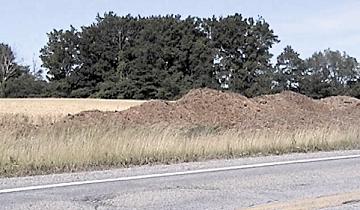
2, 89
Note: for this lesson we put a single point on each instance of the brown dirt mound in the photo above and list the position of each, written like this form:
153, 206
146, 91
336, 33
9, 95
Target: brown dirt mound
290, 101
341, 102
215, 108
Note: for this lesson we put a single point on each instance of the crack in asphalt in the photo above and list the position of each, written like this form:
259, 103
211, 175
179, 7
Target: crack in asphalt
191, 188
351, 201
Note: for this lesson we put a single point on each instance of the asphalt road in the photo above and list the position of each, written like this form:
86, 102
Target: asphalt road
330, 184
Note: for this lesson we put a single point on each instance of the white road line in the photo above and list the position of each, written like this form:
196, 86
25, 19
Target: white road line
148, 176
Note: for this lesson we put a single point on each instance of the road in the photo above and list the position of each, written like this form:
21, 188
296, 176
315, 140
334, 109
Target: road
327, 184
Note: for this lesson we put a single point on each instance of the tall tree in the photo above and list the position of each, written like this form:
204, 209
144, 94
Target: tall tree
99, 47
60, 58
289, 70
242, 46
8, 67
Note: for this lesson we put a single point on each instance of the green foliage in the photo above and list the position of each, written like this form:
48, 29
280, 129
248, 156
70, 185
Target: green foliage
329, 73
288, 71
24, 86
324, 74
354, 89
60, 55
158, 56
16, 80
61, 59
242, 48
168, 57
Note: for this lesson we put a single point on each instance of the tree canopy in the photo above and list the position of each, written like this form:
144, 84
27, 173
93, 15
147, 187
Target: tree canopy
163, 57
159, 56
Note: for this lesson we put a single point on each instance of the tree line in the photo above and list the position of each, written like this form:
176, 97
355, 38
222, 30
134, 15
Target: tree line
163, 57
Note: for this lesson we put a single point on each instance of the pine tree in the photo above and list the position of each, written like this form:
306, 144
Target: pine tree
289, 70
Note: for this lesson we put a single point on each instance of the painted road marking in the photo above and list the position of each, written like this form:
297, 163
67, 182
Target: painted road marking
337, 200
148, 176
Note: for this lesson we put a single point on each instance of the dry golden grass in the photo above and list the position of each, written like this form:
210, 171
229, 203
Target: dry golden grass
59, 148
55, 107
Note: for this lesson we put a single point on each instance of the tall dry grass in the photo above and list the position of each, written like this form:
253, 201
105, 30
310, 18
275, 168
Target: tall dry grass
59, 148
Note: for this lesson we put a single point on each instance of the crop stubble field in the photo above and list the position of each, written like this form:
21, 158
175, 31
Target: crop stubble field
58, 107
39, 136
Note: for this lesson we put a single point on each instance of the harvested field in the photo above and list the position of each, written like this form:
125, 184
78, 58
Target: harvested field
44, 107
204, 124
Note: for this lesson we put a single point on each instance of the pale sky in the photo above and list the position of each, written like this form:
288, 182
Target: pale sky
307, 25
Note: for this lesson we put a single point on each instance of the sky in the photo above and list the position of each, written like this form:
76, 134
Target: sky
307, 25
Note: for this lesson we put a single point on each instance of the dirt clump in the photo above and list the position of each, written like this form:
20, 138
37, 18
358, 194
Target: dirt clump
207, 107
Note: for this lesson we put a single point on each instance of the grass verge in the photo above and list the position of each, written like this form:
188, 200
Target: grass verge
53, 149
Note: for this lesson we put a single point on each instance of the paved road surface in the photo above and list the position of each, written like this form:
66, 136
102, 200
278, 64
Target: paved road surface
333, 184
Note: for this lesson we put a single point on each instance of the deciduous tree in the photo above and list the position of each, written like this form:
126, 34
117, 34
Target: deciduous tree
8, 67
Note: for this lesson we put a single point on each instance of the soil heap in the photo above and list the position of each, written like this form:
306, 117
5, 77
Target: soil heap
207, 107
